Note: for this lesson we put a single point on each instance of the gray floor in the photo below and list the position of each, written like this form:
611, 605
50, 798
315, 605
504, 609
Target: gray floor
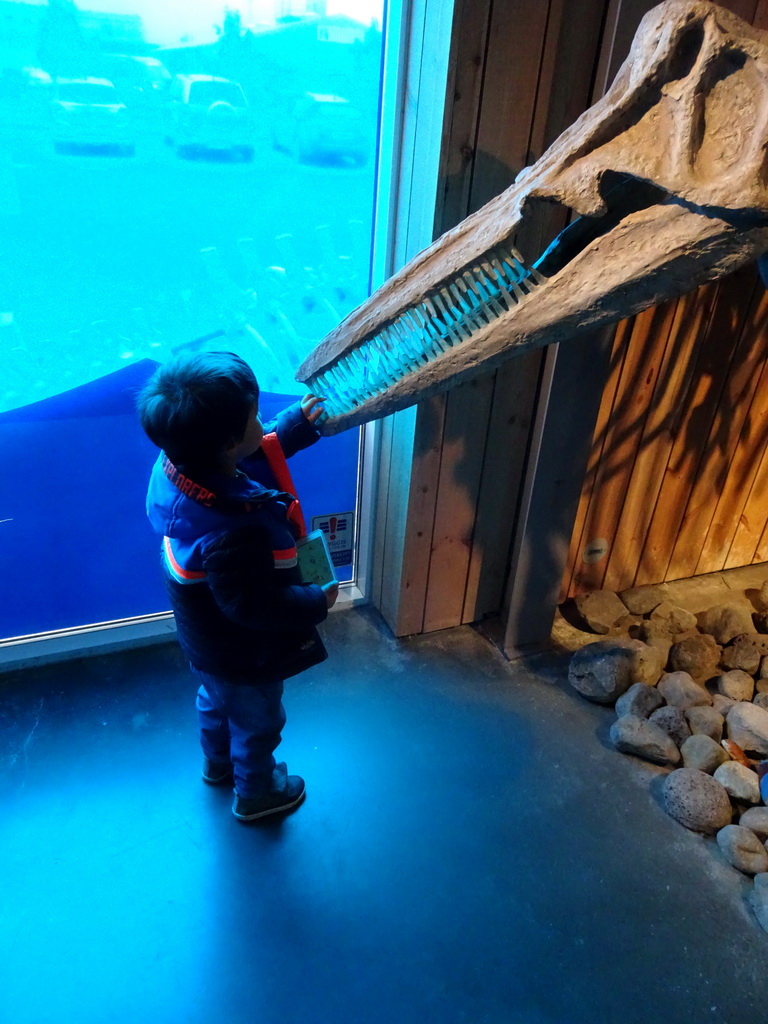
470, 850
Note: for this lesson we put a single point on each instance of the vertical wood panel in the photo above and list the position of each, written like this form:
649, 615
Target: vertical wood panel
515, 48
725, 481
707, 427
686, 450
664, 367
760, 19
761, 487
742, 535
425, 471
623, 435
466, 425
589, 489
465, 85
503, 465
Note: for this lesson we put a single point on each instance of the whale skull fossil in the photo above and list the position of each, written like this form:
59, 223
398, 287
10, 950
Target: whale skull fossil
668, 175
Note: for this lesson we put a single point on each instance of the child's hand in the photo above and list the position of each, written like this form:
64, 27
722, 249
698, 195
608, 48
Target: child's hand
331, 591
311, 407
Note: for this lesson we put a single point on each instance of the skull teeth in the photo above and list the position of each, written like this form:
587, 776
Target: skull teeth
448, 317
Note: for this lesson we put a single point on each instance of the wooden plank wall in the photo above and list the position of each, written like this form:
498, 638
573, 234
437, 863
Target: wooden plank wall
522, 71
677, 480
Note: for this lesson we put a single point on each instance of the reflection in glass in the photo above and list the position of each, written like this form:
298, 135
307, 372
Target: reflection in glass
173, 176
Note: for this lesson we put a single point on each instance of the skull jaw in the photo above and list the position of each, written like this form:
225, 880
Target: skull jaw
651, 256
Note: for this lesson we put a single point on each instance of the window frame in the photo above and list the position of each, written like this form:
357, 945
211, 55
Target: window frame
417, 37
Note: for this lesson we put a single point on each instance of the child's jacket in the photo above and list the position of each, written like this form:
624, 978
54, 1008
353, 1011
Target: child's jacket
230, 566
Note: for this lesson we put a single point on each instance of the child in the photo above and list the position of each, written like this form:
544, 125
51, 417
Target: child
219, 496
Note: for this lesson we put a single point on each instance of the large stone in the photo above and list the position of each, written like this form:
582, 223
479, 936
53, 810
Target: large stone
674, 723
740, 656
763, 677
702, 752
699, 656
722, 705
696, 800
706, 721
634, 735
759, 899
756, 818
735, 684
602, 671
642, 600
757, 641
679, 689
674, 618
640, 699
647, 630
748, 726
739, 782
760, 599
743, 849
601, 610
761, 699
726, 621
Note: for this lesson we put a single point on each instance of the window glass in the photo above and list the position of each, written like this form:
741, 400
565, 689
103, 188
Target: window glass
174, 176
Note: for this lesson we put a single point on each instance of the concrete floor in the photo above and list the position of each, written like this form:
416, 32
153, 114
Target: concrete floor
470, 850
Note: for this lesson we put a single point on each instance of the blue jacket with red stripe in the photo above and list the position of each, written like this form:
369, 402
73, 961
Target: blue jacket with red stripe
230, 565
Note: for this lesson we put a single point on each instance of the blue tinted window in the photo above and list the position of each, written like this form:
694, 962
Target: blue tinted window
171, 179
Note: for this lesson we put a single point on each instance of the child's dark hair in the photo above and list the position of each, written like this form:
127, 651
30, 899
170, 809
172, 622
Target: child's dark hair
195, 407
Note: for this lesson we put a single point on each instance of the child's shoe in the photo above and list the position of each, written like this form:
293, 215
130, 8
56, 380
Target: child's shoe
215, 773
286, 793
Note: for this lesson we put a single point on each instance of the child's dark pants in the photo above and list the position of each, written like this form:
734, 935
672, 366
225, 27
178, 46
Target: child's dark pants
242, 724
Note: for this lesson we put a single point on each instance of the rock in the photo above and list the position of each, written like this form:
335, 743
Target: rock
642, 600
748, 726
736, 684
705, 721
761, 684
634, 735
675, 619
726, 621
699, 656
679, 689
740, 656
662, 645
756, 819
649, 631
640, 699
722, 704
761, 699
739, 782
743, 849
702, 752
757, 641
603, 670
674, 723
760, 599
601, 610
696, 800
759, 899
628, 624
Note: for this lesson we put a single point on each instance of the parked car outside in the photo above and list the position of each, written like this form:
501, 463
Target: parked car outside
322, 128
209, 116
143, 82
88, 114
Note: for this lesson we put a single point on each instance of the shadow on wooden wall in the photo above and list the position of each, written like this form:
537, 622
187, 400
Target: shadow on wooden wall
678, 476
